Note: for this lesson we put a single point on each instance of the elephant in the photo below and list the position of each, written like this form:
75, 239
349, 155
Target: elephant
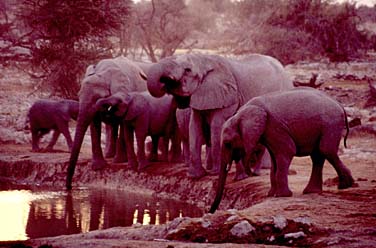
143, 115
45, 115
110, 77
298, 122
261, 158
214, 87
183, 119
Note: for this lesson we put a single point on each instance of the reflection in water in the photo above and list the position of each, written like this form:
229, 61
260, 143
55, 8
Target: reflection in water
30, 214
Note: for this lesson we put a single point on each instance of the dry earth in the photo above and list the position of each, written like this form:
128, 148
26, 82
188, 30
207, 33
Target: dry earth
334, 218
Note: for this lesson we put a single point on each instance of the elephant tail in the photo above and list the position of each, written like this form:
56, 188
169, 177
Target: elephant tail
347, 128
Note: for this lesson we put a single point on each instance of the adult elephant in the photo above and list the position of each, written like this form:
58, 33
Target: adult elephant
214, 87
116, 77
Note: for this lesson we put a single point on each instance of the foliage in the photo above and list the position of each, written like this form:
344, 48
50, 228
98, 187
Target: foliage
64, 36
293, 30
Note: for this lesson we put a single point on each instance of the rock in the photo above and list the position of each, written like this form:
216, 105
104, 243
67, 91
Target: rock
280, 222
295, 235
303, 220
242, 229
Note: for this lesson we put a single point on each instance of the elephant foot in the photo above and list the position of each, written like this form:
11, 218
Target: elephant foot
142, 165
209, 166
240, 176
98, 164
214, 171
177, 159
154, 158
256, 172
109, 154
283, 193
120, 159
345, 181
133, 164
196, 173
311, 190
271, 192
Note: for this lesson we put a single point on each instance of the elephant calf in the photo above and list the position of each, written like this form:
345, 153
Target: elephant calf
143, 115
46, 115
298, 122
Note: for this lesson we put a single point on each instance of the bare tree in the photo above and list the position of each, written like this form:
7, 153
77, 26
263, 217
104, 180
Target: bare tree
162, 26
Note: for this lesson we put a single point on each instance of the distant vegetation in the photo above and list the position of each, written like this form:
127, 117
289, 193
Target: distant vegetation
60, 38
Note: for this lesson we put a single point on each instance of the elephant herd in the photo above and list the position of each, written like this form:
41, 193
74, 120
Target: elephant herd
235, 108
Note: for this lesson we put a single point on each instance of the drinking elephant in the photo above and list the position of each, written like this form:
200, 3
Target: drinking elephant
45, 115
110, 77
143, 115
299, 122
214, 87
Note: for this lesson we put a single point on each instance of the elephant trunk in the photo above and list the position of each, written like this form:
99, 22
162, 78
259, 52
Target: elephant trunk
225, 160
155, 87
82, 124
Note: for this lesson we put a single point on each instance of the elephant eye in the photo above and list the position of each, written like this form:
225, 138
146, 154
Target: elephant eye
188, 70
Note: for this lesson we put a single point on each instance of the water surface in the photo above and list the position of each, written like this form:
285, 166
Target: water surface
32, 213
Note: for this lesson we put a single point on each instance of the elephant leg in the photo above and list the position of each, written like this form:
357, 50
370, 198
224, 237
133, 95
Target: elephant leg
153, 156
217, 118
129, 140
35, 136
240, 173
53, 141
141, 158
164, 148
98, 161
176, 151
209, 157
315, 181
344, 174
207, 140
121, 149
111, 140
64, 129
186, 151
256, 168
195, 169
281, 175
273, 181
329, 147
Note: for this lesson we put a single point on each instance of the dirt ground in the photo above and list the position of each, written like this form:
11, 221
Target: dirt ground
334, 218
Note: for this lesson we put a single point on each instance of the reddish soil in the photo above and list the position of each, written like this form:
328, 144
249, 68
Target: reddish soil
334, 218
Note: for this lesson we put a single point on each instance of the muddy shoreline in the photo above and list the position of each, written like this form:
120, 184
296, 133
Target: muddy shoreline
333, 218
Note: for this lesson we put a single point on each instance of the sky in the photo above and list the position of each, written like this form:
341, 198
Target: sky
361, 2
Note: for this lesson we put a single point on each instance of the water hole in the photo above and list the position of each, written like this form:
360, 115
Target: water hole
28, 212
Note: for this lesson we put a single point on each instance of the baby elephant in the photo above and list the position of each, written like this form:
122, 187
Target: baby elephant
298, 122
45, 115
143, 115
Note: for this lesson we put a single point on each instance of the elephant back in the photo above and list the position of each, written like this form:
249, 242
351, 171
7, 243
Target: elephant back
258, 75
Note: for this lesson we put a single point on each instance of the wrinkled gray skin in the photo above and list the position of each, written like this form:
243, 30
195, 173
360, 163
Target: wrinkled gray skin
45, 115
214, 87
261, 158
110, 77
143, 115
300, 122
183, 118
115, 146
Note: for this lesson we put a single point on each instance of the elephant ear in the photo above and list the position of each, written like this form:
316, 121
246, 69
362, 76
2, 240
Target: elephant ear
252, 125
119, 81
218, 87
136, 105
